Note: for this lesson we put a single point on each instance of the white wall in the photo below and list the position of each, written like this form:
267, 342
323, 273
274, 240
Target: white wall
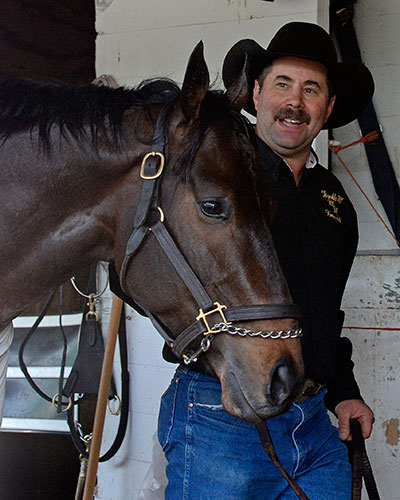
372, 297
145, 39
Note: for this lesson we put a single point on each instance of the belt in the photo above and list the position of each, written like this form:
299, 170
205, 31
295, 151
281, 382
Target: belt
310, 388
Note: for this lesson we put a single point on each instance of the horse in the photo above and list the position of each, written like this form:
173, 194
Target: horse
74, 165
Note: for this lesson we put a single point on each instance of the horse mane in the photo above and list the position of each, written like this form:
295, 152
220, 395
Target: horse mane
26, 104
79, 111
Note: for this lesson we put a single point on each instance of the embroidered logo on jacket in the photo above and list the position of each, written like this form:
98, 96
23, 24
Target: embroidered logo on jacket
333, 200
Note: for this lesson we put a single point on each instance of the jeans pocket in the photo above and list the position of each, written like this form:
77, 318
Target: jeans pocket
167, 413
210, 407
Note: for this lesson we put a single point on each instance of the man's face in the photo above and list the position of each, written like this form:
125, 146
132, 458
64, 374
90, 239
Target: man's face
292, 105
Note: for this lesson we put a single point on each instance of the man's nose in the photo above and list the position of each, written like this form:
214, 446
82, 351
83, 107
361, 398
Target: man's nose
296, 99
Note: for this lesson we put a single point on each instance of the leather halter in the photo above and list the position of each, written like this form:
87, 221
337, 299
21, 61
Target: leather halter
210, 312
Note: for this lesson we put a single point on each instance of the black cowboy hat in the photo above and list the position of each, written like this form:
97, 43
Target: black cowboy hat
352, 81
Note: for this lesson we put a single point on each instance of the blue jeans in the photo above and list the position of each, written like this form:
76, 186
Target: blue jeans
214, 456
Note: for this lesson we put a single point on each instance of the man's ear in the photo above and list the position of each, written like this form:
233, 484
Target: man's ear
330, 107
256, 93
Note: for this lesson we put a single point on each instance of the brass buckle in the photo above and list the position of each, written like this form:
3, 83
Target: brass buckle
203, 316
92, 307
160, 168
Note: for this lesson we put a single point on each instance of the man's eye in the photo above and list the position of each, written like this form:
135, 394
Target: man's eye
213, 208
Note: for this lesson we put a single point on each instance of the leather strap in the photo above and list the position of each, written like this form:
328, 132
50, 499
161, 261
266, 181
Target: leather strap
148, 197
240, 313
361, 466
268, 446
181, 266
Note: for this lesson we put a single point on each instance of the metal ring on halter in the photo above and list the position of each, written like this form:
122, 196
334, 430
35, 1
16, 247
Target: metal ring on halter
55, 403
162, 216
95, 296
118, 410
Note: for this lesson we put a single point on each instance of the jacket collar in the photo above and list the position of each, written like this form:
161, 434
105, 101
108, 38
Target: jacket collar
273, 164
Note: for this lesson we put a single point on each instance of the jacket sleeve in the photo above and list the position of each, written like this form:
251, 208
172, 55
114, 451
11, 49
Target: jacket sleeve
344, 386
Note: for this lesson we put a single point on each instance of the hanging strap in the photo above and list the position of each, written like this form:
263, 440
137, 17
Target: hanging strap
383, 176
21, 351
268, 446
361, 466
123, 419
86, 370
86, 373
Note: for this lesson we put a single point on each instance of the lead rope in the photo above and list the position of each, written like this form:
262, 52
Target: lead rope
268, 446
361, 466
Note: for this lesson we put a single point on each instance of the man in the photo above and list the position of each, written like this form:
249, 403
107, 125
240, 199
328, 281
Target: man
299, 88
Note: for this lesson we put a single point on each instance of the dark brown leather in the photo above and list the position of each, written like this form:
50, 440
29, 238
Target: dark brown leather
310, 388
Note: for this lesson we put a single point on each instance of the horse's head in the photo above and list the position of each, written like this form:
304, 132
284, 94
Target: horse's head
216, 207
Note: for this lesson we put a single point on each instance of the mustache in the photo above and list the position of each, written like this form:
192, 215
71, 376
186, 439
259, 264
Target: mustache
292, 114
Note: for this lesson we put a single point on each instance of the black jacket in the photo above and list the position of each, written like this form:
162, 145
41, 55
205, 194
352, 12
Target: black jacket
314, 229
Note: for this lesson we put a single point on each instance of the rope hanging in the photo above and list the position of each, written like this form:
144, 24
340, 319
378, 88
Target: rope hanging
335, 148
372, 136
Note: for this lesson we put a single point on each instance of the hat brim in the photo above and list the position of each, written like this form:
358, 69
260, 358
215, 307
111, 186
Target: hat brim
352, 81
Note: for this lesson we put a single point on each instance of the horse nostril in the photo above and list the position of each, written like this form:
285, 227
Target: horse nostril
281, 382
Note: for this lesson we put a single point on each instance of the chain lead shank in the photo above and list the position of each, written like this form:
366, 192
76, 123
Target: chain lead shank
242, 332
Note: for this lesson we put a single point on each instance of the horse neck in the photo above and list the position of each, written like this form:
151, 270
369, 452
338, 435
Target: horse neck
61, 216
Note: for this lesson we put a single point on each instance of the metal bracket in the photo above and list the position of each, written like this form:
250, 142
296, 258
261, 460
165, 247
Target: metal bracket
203, 316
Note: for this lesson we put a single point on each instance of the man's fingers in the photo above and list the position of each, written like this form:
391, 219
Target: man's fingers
357, 409
366, 425
344, 428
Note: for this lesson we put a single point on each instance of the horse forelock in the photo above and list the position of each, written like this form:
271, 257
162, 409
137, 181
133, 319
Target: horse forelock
214, 109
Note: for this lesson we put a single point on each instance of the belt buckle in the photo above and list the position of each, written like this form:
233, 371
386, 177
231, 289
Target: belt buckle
310, 388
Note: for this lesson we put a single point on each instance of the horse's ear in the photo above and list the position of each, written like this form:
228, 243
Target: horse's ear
195, 84
238, 92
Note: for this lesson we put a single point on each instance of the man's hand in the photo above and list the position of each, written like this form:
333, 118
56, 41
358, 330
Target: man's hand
357, 409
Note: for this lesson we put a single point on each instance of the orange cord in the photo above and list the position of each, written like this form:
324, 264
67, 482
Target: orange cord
335, 149
367, 138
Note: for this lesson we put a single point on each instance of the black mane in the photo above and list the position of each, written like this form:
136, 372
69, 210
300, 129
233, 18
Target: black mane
27, 104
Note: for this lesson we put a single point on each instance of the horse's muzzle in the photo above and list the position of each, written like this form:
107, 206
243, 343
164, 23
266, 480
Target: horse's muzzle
284, 383
258, 398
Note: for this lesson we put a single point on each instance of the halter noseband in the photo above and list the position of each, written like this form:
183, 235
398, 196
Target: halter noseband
213, 317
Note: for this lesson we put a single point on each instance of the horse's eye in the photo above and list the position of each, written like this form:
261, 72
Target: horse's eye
213, 208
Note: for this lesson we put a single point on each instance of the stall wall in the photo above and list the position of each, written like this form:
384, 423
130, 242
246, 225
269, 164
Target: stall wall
372, 298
